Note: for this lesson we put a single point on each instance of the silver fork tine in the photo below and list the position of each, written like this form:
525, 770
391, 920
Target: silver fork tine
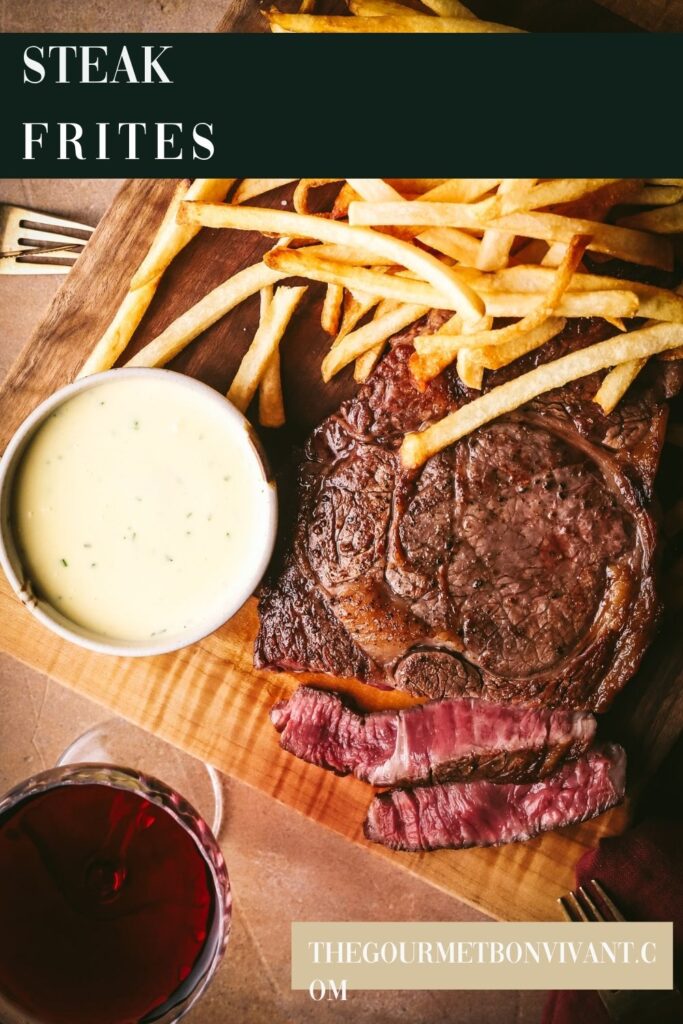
597, 914
38, 243
44, 219
616, 914
572, 908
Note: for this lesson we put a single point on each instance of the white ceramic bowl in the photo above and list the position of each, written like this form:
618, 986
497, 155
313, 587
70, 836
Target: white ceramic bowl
49, 616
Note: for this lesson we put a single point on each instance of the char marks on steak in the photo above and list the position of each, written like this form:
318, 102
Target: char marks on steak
441, 741
516, 565
485, 814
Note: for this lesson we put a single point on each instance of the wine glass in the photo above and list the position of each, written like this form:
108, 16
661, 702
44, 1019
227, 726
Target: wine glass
115, 903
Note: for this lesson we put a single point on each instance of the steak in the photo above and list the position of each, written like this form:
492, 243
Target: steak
515, 566
482, 813
444, 741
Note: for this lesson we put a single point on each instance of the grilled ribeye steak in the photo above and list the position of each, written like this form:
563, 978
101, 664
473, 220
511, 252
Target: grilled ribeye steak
517, 565
485, 814
441, 741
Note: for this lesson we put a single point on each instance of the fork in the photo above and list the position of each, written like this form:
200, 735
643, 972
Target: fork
37, 243
590, 902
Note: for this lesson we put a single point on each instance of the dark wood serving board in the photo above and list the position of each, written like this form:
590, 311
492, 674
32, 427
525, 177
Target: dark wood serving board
209, 699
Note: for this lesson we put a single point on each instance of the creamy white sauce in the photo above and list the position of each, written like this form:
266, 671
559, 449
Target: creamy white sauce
137, 507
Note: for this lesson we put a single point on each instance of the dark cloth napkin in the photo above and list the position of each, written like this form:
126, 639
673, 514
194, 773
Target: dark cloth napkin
642, 870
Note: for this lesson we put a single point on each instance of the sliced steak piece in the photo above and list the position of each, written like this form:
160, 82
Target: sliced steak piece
485, 814
438, 742
516, 566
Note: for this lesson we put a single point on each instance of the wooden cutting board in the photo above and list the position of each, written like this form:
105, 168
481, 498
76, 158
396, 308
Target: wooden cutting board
208, 699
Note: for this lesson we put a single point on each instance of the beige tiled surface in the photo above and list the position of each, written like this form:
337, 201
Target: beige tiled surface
283, 867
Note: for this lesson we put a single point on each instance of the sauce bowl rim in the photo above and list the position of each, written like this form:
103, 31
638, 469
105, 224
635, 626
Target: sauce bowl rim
10, 558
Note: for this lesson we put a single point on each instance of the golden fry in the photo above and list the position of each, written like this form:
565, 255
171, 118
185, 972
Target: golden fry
449, 9
207, 311
495, 356
364, 338
495, 246
624, 243
438, 351
418, 447
271, 410
331, 311
265, 343
251, 218
170, 238
413, 23
249, 188
665, 220
616, 384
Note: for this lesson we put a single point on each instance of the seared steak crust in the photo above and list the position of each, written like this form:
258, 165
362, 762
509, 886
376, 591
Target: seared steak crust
517, 565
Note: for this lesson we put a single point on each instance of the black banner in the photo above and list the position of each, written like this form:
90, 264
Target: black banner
77, 105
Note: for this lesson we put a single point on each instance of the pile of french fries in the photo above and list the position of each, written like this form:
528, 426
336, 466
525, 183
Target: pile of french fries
385, 16
391, 250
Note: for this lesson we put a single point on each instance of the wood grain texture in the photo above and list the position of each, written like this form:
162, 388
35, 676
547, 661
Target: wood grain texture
208, 699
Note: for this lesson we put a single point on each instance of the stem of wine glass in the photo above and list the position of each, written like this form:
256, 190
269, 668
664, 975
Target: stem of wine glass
119, 742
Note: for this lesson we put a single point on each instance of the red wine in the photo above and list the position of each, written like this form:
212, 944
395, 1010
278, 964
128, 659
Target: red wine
106, 904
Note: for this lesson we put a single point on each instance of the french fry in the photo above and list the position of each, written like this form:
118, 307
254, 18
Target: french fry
166, 244
654, 303
461, 190
306, 6
657, 195
469, 366
414, 23
271, 402
449, 9
299, 263
378, 8
331, 311
496, 356
419, 214
265, 343
470, 369
305, 186
496, 245
417, 447
365, 364
251, 218
624, 243
433, 354
265, 299
616, 384
364, 338
665, 220
347, 254
344, 199
608, 303
449, 241
356, 306
417, 186
547, 193
439, 350
249, 188
203, 314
